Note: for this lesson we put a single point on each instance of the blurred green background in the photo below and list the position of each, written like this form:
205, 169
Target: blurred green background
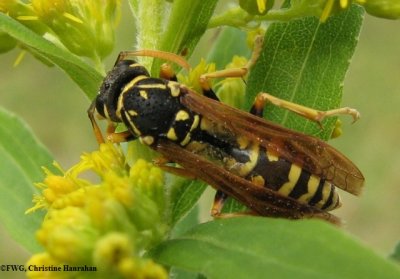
55, 108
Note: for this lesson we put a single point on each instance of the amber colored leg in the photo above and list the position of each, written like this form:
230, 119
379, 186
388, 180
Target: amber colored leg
309, 113
166, 72
235, 72
162, 162
179, 60
96, 128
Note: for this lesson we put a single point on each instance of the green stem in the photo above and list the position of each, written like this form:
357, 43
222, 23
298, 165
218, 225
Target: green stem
239, 18
150, 18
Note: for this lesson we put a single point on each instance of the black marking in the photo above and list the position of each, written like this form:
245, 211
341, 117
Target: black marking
159, 103
275, 173
110, 89
240, 155
182, 127
301, 186
329, 201
318, 194
257, 111
210, 94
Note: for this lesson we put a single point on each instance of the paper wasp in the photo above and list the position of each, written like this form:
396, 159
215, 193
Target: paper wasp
272, 170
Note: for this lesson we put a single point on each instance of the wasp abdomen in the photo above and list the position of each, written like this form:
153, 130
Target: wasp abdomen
290, 180
249, 160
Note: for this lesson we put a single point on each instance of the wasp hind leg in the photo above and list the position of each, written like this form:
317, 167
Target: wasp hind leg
218, 204
312, 114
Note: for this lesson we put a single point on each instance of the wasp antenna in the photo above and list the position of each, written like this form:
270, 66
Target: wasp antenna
169, 56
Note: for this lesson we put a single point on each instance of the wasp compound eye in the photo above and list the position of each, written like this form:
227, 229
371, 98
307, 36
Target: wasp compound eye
113, 85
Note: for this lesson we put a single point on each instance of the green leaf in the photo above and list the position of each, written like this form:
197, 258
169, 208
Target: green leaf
230, 42
187, 23
85, 76
184, 195
396, 254
255, 247
20, 166
305, 62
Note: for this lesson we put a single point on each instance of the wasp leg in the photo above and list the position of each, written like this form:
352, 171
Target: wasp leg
166, 72
234, 72
309, 113
169, 56
162, 162
114, 137
96, 128
218, 205
219, 200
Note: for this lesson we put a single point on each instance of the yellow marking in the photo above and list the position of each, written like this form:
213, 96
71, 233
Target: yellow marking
326, 190
196, 147
336, 201
171, 134
312, 187
132, 112
195, 123
151, 86
105, 110
272, 157
175, 88
293, 176
205, 125
258, 180
243, 142
135, 65
131, 84
132, 125
143, 94
243, 169
182, 115
147, 140
186, 139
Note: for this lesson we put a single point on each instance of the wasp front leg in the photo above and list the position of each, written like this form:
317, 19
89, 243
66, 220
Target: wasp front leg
234, 72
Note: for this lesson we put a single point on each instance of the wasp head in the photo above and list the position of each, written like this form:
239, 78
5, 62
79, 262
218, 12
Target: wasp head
124, 71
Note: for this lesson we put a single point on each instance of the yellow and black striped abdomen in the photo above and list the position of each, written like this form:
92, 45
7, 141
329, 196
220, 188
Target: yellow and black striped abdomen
251, 161
290, 180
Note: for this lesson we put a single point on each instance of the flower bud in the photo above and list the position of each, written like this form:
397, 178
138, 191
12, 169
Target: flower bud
382, 8
86, 28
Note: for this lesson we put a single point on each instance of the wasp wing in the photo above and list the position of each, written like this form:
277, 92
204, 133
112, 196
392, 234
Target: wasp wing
263, 201
310, 153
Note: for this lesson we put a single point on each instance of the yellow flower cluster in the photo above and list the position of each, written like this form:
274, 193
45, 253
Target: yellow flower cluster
192, 79
86, 28
107, 225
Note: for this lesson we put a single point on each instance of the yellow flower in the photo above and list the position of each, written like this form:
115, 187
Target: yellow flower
112, 249
68, 235
141, 268
38, 262
108, 224
192, 80
332, 6
232, 90
86, 28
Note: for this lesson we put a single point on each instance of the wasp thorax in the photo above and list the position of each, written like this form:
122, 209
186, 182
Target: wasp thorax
149, 107
113, 85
